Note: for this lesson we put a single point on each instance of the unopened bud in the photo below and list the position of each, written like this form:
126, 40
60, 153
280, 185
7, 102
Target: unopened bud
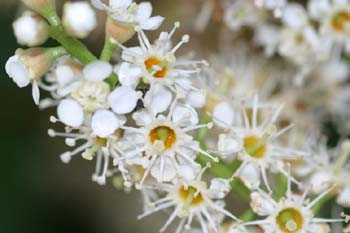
118, 31
31, 64
79, 19
30, 29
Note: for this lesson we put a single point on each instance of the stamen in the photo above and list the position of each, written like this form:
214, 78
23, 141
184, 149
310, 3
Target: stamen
53, 119
185, 39
346, 217
176, 26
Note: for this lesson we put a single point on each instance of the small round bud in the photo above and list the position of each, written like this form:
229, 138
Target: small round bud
31, 64
79, 19
30, 29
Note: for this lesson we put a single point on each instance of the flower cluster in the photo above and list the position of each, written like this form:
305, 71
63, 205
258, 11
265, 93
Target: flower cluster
185, 133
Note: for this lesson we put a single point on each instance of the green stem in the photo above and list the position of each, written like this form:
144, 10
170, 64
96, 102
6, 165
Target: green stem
53, 18
281, 188
56, 52
247, 216
112, 80
317, 207
106, 55
108, 50
72, 45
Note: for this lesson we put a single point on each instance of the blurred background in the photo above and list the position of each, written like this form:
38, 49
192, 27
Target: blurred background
38, 193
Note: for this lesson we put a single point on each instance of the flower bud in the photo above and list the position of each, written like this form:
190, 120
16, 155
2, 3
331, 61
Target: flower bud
30, 29
31, 64
79, 19
118, 31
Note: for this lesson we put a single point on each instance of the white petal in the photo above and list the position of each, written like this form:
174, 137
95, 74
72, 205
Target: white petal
144, 11
228, 145
188, 172
99, 4
196, 99
157, 99
120, 3
64, 75
294, 15
185, 114
320, 181
223, 115
129, 74
152, 23
261, 205
104, 123
318, 8
35, 93
129, 54
142, 117
123, 99
66, 90
97, 71
17, 71
250, 176
220, 187
344, 197
70, 113
169, 171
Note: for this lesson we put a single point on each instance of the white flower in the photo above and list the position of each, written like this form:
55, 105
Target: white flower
299, 41
334, 16
156, 64
257, 144
292, 213
101, 136
28, 66
192, 199
267, 36
92, 93
294, 15
333, 171
79, 19
275, 5
30, 29
128, 12
243, 13
162, 143
61, 81
88, 94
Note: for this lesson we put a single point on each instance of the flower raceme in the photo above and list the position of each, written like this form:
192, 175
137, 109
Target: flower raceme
145, 121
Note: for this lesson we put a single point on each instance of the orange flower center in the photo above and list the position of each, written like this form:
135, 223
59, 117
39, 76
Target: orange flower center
164, 134
188, 195
154, 61
290, 220
254, 146
340, 20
